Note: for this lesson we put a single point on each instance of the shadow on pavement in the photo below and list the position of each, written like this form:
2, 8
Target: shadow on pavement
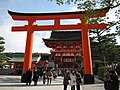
24, 85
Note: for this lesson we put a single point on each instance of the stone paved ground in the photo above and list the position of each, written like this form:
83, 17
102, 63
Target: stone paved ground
13, 83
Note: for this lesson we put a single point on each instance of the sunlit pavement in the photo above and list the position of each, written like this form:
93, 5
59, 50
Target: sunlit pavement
13, 83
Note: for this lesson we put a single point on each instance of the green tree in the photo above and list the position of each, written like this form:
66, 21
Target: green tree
2, 44
90, 5
85, 4
104, 46
2, 56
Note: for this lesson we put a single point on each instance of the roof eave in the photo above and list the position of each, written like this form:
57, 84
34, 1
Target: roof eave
56, 13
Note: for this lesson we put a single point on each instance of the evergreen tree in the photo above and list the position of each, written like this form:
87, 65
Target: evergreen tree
2, 56
2, 44
90, 5
104, 46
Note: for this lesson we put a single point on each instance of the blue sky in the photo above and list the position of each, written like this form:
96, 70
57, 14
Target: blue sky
16, 41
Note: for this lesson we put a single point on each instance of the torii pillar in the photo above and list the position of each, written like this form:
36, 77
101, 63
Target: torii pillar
31, 27
88, 71
29, 47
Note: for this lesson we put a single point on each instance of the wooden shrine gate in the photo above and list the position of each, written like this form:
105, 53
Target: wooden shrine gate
83, 26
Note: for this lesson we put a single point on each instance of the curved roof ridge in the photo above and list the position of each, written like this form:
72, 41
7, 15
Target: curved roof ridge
55, 13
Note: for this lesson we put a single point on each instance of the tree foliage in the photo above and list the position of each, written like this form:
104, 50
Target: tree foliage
2, 44
87, 4
105, 47
90, 5
2, 56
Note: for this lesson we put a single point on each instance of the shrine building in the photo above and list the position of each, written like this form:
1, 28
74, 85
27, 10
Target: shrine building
66, 46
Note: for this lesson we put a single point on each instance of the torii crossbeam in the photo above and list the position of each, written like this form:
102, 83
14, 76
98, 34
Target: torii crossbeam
83, 26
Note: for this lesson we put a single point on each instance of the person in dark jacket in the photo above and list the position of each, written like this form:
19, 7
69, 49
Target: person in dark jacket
44, 77
49, 77
78, 80
28, 77
66, 79
35, 77
113, 83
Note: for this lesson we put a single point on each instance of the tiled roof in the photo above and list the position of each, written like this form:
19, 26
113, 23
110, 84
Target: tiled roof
19, 57
65, 36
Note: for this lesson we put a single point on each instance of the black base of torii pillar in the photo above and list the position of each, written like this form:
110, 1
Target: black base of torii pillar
89, 79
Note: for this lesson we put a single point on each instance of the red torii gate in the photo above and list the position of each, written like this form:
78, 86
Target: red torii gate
31, 27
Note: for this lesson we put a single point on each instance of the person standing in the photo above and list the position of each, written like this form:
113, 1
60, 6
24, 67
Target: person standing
66, 78
73, 80
113, 83
106, 78
54, 74
49, 77
35, 77
44, 77
78, 80
28, 76
40, 72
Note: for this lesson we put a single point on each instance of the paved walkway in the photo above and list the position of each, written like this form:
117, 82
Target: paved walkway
13, 83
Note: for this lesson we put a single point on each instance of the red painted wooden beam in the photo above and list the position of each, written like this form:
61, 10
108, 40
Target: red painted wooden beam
58, 27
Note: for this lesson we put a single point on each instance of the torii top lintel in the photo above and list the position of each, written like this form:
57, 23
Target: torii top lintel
56, 17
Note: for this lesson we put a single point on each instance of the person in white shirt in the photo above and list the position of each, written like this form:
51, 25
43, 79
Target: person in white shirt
73, 80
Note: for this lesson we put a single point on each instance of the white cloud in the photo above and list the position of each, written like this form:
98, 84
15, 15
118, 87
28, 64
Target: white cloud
38, 44
111, 15
74, 8
16, 41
